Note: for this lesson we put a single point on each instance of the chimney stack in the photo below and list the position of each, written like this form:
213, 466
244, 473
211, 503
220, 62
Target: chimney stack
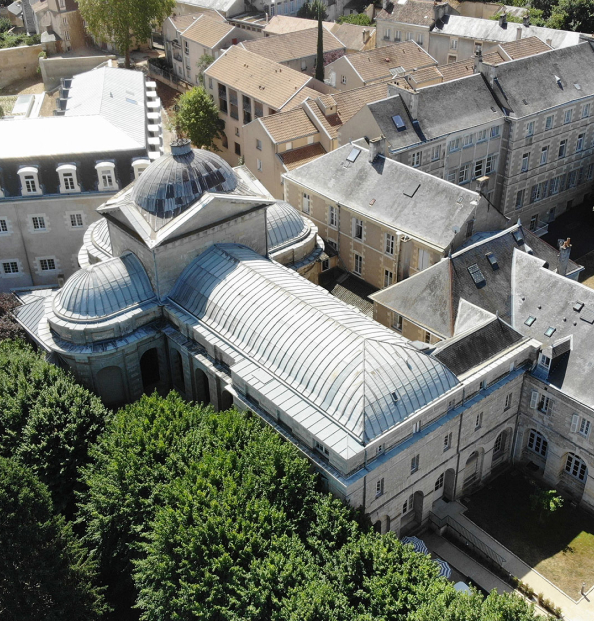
503, 20
439, 10
377, 146
366, 36
526, 20
564, 252
478, 61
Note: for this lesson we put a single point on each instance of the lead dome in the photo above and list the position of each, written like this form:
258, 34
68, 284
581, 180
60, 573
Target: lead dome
177, 180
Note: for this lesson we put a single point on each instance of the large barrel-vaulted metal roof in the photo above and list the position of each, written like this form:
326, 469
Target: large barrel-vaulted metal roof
104, 289
177, 180
357, 372
285, 225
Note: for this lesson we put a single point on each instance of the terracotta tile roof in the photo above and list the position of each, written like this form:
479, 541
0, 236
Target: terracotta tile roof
303, 155
283, 24
286, 126
330, 123
376, 64
206, 31
282, 48
352, 36
525, 47
300, 97
181, 22
257, 77
412, 12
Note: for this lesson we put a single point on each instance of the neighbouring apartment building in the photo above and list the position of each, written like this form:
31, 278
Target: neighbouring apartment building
532, 288
55, 171
62, 19
385, 220
246, 86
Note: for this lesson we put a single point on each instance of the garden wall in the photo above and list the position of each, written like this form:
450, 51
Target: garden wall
18, 63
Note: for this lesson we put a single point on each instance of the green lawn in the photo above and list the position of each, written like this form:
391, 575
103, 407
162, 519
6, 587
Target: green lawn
561, 548
7, 103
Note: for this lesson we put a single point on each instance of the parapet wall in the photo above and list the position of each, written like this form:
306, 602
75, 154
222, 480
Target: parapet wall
18, 63
54, 69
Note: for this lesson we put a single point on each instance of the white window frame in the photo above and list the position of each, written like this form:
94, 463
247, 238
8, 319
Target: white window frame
436, 153
447, 442
343, 79
576, 467
357, 229
106, 170
259, 164
562, 148
541, 402
305, 203
439, 483
139, 166
415, 463
39, 223
491, 163
357, 264
525, 162
453, 44
388, 278
332, 217
481, 135
585, 111
416, 159
10, 262
397, 322
68, 171
379, 487
423, 259
549, 122
579, 145
478, 169
537, 443
29, 181
46, 260
75, 218
544, 155
464, 173
258, 144
495, 131
520, 198
389, 246
5, 228
529, 129
568, 116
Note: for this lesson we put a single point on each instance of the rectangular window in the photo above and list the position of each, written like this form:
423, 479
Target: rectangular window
590, 172
478, 168
463, 173
435, 153
554, 186
186, 47
422, 259
388, 278
106, 179
259, 164
454, 44
409, 36
10, 267
454, 145
47, 265
479, 421
332, 216
572, 179
452, 176
237, 149
358, 264
258, 144
469, 228
568, 116
30, 185
530, 129
420, 38
38, 223
397, 35
584, 427
586, 111
389, 244
544, 154
416, 159
491, 166
3, 225
379, 487
447, 442
525, 162
495, 131
549, 122
519, 199
397, 322
533, 222
343, 79
468, 140
76, 220
305, 202
357, 228
580, 143
427, 337
387, 34
439, 482
68, 181
408, 505
321, 448
562, 148
414, 464
481, 136
508, 401
539, 191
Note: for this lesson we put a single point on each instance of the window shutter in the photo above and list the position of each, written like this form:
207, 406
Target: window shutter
574, 423
534, 399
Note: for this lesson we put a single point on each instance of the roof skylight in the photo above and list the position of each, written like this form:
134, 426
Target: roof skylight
517, 235
475, 272
354, 154
577, 307
531, 319
398, 122
550, 331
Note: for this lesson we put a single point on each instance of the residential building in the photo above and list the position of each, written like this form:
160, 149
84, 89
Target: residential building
247, 86
354, 38
62, 19
290, 139
188, 38
534, 292
55, 171
379, 65
283, 24
386, 220
298, 50
191, 301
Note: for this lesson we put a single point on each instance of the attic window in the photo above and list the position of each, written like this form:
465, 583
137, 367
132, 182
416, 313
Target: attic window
398, 122
475, 272
530, 321
577, 307
354, 154
517, 235
550, 331
394, 397
492, 260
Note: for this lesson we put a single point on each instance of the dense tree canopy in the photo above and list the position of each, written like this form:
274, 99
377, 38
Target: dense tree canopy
359, 19
124, 21
45, 573
561, 14
312, 10
197, 118
9, 328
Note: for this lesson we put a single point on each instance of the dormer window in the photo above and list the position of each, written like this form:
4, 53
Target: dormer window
29, 181
139, 167
68, 179
106, 176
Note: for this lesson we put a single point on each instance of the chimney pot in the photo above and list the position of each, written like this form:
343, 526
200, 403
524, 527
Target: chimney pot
564, 252
518, 33
503, 20
526, 20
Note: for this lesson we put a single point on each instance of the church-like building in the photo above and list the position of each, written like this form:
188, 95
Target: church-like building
194, 279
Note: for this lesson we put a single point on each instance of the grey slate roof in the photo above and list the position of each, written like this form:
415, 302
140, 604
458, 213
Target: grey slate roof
473, 349
104, 289
432, 297
534, 80
442, 109
571, 372
292, 328
284, 225
404, 198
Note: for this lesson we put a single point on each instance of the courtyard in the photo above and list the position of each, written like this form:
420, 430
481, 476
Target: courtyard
560, 547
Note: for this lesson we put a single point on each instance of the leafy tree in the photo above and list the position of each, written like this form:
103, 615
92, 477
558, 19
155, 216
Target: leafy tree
359, 19
197, 118
312, 10
546, 502
45, 573
9, 327
124, 21
573, 15
320, 48
203, 63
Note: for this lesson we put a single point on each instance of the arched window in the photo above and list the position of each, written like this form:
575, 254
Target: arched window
576, 467
499, 444
439, 482
537, 443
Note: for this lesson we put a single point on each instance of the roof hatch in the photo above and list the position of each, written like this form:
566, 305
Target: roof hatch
398, 122
475, 272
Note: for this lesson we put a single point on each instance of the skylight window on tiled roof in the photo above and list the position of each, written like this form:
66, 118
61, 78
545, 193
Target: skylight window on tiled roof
398, 122
530, 321
354, 154
492, 260
517, 234
577, 307
550, 331
475, 272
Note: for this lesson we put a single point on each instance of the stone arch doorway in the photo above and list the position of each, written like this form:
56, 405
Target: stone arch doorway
573, 475
202, 387
226, 400
177, 371
473, 468
377, 526
149, 370
501, 447
110, 386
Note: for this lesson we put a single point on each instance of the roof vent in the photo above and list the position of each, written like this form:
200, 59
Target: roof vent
492, 260
475, 272
577, 307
